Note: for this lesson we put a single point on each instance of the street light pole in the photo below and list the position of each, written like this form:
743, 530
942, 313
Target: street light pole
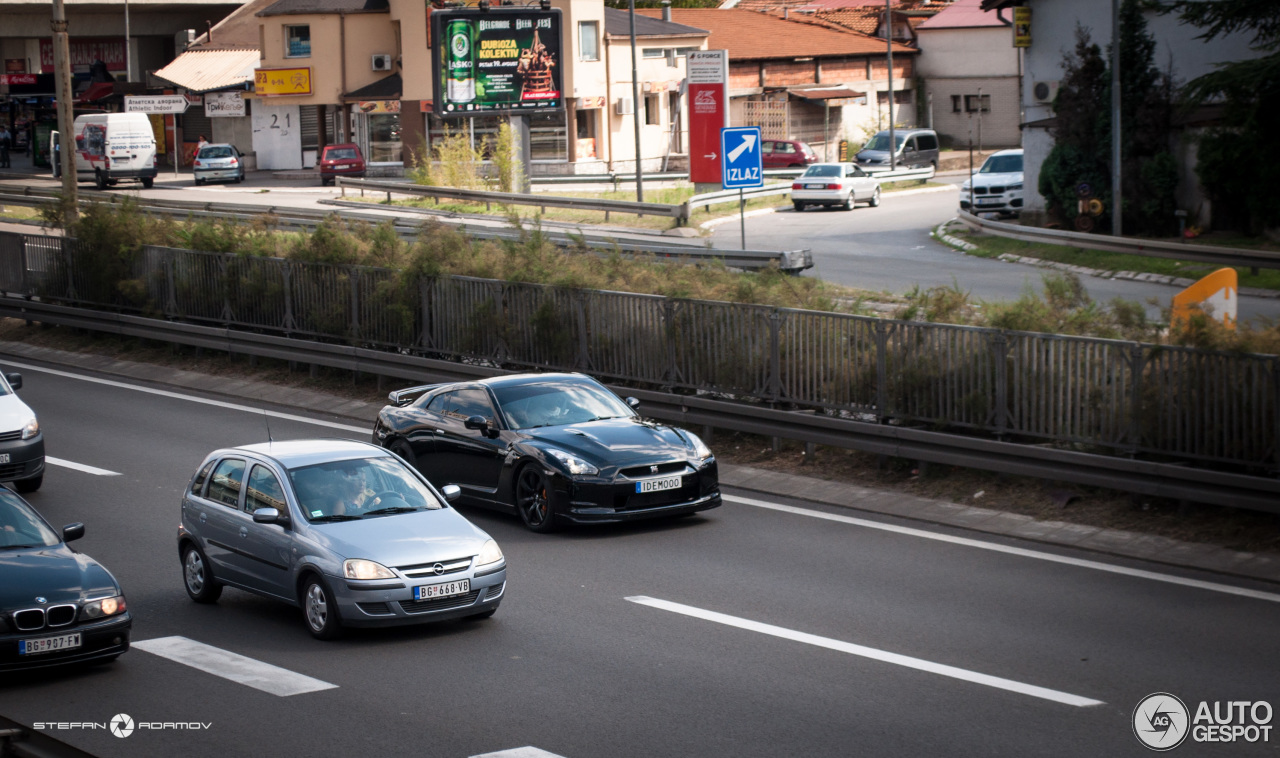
128, 53
1116, 206
62, 78
888, 36
635, 103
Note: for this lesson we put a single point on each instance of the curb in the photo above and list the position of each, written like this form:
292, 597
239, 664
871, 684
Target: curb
1113, 542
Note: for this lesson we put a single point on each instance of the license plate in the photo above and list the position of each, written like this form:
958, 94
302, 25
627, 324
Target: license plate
815, 186
657, 485
341, 168
446, 589
49, 644
4, 457
997, 201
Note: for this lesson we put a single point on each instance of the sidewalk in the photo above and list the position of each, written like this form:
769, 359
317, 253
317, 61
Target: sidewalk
1114, 542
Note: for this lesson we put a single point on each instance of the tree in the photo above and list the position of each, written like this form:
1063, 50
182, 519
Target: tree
1239, 163
1080, 135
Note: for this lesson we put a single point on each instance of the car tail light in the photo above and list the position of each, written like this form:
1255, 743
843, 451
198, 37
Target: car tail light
234, 161
198, 164
833, 186
797, 185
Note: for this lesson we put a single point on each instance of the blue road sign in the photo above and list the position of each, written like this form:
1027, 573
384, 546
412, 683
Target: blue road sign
742, 164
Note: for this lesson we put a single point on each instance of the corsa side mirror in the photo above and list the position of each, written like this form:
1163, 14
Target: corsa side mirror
451, 492
633, 403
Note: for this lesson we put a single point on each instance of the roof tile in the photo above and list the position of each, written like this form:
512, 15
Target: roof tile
749, 35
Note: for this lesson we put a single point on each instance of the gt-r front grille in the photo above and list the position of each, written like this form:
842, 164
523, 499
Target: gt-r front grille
427, 570
654, 469
423, 606
10, 436
664, 497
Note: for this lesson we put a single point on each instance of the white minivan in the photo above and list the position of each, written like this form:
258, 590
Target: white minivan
114, 146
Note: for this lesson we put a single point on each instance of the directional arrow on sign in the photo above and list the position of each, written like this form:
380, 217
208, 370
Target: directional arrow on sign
748, 142
712, 156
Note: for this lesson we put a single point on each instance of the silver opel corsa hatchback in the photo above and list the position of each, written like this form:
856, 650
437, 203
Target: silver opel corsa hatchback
344, 530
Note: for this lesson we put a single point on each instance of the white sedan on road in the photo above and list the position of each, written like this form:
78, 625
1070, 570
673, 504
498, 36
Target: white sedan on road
837, 184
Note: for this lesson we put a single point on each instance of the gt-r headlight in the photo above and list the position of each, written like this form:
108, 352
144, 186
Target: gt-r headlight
700, 450
30, 429
489, 553
359, 568
572, 463
103, 607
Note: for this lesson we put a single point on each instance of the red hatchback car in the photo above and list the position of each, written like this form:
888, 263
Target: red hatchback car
786, 154
340, 160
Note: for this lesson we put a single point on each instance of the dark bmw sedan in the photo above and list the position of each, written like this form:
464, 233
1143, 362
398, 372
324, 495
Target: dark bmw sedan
553, 448
57, 605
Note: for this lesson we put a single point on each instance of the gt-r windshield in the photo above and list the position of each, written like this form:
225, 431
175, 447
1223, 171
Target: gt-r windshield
529, 406
360, 488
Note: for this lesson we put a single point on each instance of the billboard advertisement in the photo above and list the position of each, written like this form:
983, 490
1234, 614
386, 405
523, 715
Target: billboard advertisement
501, 60
708, 104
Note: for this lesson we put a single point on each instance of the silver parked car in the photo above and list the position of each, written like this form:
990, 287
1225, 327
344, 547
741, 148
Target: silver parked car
834, 184
221, 161
345, 530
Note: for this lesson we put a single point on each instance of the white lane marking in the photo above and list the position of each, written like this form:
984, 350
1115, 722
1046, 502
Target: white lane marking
519, 752
1079, 562
80, 467
191, 398
229, 665
919, 664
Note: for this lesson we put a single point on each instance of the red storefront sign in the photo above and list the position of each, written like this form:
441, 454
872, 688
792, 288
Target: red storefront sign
85, 51
708, 104
17, 78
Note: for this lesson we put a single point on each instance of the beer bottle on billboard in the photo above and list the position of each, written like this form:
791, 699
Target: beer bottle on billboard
461, 62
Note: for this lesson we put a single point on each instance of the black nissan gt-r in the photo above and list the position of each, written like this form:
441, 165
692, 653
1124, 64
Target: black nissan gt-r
554, 448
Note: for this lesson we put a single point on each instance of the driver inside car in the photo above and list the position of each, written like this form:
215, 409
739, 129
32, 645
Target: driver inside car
351, 497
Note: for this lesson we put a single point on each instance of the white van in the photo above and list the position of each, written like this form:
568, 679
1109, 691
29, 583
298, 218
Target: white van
114, 146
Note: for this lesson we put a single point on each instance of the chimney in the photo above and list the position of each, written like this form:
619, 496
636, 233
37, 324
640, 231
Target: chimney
786, 11
666, 10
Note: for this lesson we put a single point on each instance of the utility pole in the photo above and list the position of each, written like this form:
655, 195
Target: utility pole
1115, 120
635, 104
66, 140
128, 53
888, 36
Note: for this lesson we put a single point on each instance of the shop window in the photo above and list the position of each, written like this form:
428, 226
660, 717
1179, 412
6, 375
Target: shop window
977, 103
589, 40
654, 52
385, 145
297, 41
548, 137
652, 114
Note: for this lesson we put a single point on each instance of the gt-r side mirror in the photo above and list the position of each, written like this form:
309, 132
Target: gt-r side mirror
270, 516
633, 403
451, 492
480, 424
72, 532
15, 380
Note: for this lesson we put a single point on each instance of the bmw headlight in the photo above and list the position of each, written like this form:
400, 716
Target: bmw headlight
700, 449
489, 553
359, 568
964, 187
103, 607
572, 463
30, 429
1017, 186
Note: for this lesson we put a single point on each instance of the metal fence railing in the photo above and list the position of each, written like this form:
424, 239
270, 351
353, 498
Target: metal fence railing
1099, 395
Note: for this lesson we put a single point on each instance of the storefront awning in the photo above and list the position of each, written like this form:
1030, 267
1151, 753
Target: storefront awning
829, 95
209, 70
96, 91
386, 88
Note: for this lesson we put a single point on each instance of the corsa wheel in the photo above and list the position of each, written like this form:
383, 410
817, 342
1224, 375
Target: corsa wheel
533, 500
320, 610
196, 577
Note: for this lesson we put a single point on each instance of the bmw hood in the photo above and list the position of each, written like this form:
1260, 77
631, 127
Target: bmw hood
615, 441
403, 539
57, 574
14, 414
997, 180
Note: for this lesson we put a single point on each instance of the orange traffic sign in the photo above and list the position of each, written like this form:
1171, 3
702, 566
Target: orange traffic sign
1217, 294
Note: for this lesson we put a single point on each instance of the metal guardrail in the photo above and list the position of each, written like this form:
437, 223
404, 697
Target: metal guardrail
1151, 478
789, 261
1225, 256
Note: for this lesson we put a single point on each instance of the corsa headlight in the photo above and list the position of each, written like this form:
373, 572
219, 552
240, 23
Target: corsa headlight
700, 449
572, 463
103, 607
30, 429
489, 553
359, 568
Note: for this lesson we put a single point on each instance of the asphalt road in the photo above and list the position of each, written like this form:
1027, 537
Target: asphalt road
588, 656
889, 249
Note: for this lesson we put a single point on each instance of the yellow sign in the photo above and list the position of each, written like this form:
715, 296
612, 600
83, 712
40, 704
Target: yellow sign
1217, 294
272, 82
1022, 26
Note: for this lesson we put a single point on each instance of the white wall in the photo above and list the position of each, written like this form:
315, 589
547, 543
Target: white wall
967, 52
277, 136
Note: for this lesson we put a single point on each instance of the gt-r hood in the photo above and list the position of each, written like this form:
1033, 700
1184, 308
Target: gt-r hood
615, 441
14, 414
54, 573
404, 539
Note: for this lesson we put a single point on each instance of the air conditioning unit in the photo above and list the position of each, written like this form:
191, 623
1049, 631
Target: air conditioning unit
624, 106
382, 62
1044, 92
